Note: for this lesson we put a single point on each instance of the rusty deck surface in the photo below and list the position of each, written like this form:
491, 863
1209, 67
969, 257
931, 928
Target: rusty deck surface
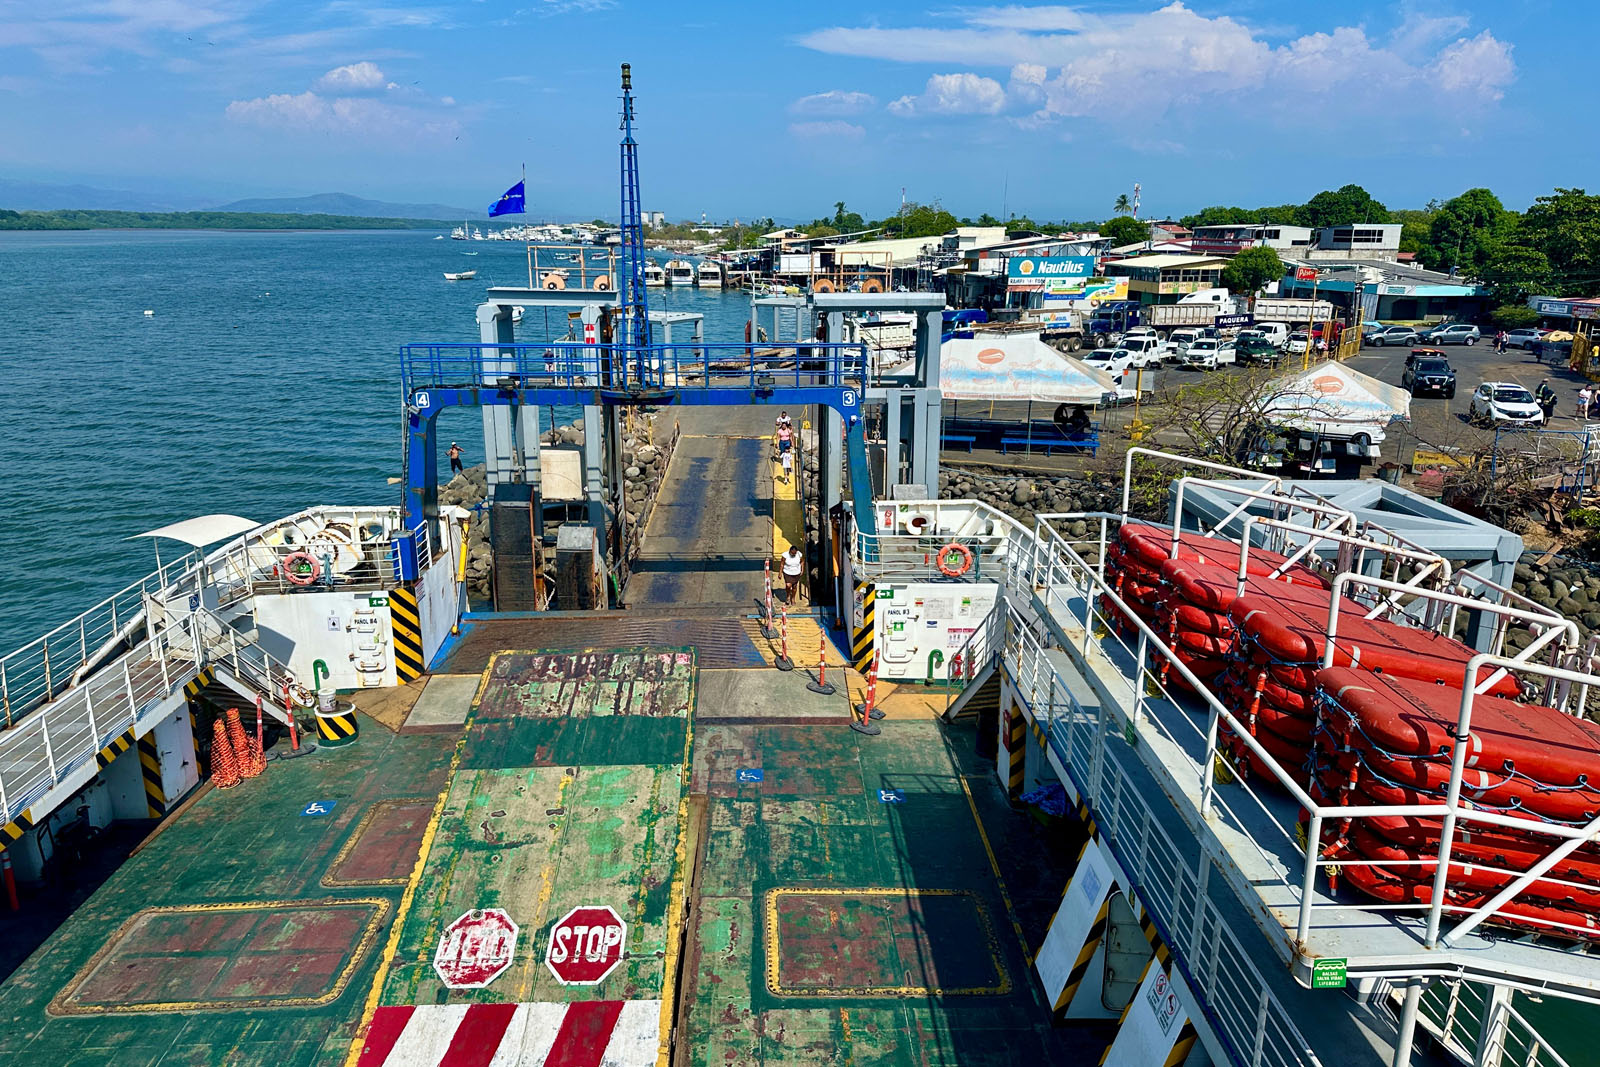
781, 907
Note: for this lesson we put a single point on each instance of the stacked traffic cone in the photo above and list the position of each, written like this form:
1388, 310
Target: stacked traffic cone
224, 765
245, 753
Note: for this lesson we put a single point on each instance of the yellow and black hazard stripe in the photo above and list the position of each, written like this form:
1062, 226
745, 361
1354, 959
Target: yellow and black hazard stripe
155, 792
1187, 1036
861, 641
191, 688
13, 830
1039, 734
337, 727
1080, 966
1147, 925
406, 622
1017, 748
1086, 817
123, 742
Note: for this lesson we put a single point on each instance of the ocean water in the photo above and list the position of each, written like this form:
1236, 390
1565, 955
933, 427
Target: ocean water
266, 381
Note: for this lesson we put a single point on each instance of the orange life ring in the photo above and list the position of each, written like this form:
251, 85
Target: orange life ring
822, 285
955, 559
872, 285
301, 568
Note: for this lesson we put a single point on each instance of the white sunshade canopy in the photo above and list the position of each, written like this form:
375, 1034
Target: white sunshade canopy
1333, 398
1017, 367
203, 530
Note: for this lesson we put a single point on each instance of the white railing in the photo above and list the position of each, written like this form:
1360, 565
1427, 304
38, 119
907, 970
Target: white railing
1455, 1012
47, 665
981, 648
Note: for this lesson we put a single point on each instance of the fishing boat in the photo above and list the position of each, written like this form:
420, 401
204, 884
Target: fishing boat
654, 276
460, 276
680, 273
708, 275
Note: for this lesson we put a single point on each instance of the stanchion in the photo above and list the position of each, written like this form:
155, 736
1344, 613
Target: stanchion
224, 767
868, 710
766, 620
820, 683
261, 747
783, 662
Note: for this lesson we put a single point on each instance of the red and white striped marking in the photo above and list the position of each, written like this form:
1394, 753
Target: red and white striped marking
591, 1033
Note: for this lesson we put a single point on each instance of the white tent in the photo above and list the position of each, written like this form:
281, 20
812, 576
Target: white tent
1331, 398
1017, 367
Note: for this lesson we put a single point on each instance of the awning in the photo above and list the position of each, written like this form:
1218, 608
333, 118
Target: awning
1332, 398
1018, 367
203, 530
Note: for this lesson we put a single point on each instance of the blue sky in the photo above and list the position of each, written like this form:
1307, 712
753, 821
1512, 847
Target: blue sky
751, 108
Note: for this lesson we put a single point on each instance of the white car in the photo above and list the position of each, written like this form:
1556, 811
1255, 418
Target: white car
1145, 351
1182, 339
1298, 343
1209, 353
1109, 360
1504, 404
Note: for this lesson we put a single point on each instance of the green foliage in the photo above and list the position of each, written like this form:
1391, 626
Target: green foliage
919, 220
677, 231
1513, 272
1414, 226
1565, 227
1123, 206
1221, 216
1124, 230
1466, 230
1251, 270
1343, 206
1514, 316
202, 220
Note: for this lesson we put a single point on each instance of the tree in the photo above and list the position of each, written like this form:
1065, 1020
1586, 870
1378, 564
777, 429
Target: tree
1513, 272
1124, 231
987, 219
1220, 216
1123, 206
838, 213
1514, 316
1467, 230
1251, 271
1344, 206
1565, 229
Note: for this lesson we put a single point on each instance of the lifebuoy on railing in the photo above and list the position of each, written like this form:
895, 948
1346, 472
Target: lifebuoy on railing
955, 559
553, 280
301, 568
872, 285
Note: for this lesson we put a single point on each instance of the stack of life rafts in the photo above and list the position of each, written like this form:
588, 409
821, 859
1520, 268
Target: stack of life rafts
1260, 652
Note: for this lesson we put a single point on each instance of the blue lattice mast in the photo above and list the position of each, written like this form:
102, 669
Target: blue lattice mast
635, 332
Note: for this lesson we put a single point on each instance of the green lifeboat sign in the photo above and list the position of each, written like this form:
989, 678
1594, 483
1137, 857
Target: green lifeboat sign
1328, 974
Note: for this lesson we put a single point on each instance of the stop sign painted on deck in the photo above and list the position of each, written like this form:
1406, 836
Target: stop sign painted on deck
586, 945
475, 949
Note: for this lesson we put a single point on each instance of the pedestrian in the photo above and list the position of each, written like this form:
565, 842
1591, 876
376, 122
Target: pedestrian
786, 461
455, 454
1500, 342
784, 420
785, 437
794, 566
1546, 398
1585, 398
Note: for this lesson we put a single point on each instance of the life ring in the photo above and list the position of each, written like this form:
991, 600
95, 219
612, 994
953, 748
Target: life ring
872, 285
299, 695
822, 285
301, 568
553, 281
603, 283
955, 559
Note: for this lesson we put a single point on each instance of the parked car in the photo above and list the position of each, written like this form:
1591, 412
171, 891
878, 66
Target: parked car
1524, 338
1182, 339
1258, 350
1379, 335
1109, 360
1276, 332
1429, 374
1146, 350
1298, 343
1452, 333
1504, 404
1209, 353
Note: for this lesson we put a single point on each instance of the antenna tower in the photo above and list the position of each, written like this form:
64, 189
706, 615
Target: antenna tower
635, 306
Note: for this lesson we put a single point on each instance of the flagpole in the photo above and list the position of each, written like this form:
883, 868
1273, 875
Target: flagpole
525, 211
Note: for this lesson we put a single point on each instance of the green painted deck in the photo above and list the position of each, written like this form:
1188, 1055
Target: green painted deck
797, 919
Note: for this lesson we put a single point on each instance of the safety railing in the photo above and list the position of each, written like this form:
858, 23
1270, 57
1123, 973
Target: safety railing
47, 665
574, 366
225, 646
1482, 1027
977, 653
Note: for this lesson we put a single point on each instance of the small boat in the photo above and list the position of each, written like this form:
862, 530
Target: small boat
654, 276
516, 312
469, 253
708, 275
461, 276
438, 237
680, 272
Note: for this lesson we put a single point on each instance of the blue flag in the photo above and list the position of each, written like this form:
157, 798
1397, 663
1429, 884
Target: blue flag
510, 202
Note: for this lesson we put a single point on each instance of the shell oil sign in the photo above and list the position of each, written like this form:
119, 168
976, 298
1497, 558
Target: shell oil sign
991, 356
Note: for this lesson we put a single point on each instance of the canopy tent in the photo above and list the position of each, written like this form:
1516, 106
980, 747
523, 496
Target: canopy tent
1018, 367
1331, 398
203, 530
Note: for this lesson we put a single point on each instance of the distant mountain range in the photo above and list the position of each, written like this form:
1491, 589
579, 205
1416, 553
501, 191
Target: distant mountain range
46, 196
345, 204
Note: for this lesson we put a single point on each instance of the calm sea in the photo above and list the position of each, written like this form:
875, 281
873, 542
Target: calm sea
266, 381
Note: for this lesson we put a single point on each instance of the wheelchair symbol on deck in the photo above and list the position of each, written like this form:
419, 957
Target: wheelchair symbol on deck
891, 796
751, 775
319, 807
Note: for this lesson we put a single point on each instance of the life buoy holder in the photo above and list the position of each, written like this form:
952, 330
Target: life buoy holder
301, 568
955, 559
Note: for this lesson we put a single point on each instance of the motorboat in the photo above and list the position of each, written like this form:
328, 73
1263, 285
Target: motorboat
654, 276
708, 275
680, 272
460, 276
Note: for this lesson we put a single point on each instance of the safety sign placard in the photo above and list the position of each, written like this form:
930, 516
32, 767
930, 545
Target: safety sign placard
891, 796
750, 774
318, 807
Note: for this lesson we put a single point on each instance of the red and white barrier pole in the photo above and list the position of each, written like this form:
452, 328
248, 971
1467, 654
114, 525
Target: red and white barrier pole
869, 709
295, 748
766, 621
820, 684
260, 745
783, 662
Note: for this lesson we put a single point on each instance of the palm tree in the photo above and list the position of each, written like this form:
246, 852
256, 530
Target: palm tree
1123, 206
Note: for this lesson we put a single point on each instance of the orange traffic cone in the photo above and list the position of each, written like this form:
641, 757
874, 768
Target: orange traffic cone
243, 751
224, 766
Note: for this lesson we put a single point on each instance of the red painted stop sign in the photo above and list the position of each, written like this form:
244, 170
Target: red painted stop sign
475, 948
586, 945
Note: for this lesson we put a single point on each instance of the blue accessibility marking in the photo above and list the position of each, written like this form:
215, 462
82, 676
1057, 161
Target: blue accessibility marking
891, 796
318, 807
751, 774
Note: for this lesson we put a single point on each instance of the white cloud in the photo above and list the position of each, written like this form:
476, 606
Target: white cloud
352, 78
361, 117
954, 94
834, 102
838, 129
1070, 61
